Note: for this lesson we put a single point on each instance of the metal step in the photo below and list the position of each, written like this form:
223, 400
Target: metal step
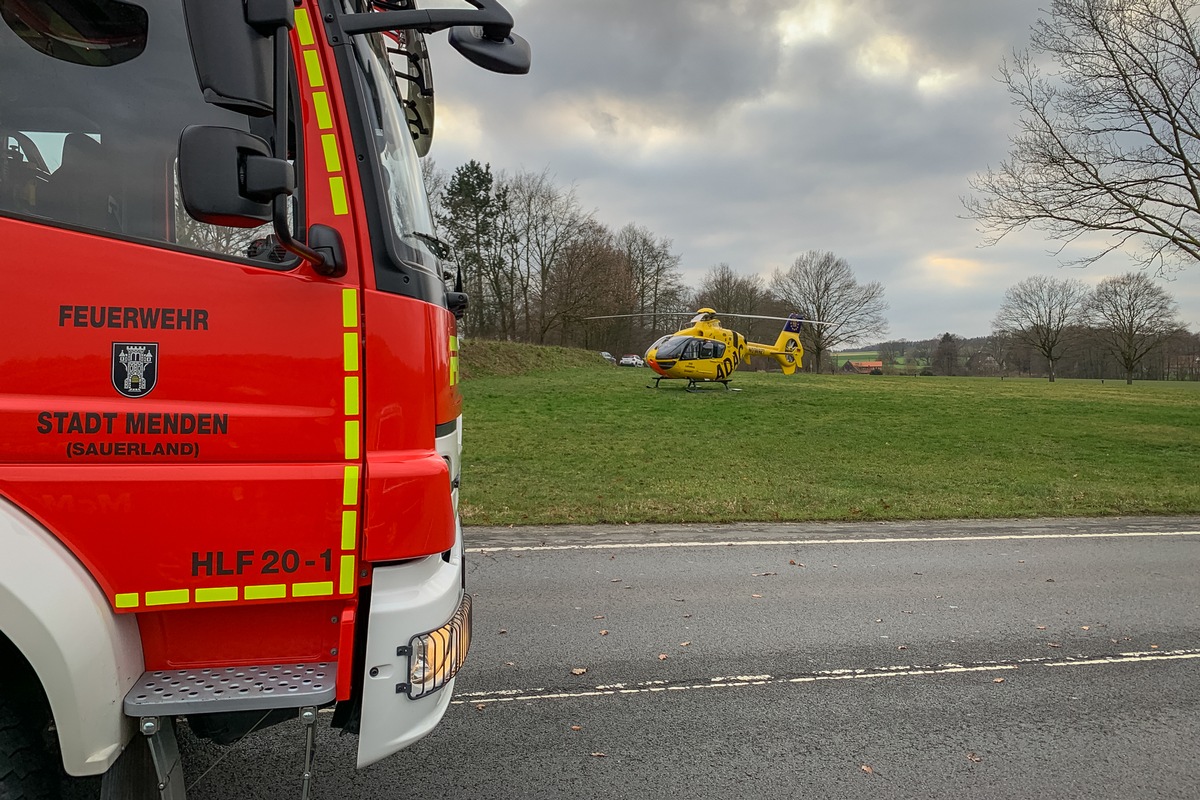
207, 691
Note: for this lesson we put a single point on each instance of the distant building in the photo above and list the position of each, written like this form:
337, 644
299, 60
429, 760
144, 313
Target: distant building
862, 367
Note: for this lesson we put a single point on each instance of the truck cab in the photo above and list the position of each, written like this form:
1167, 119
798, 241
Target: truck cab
230, 404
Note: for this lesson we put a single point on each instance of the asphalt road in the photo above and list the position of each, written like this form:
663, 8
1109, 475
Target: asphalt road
1047, 659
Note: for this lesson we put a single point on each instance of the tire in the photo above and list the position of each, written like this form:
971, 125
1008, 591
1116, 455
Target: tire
27, 771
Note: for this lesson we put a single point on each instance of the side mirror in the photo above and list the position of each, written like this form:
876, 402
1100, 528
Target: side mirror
507, 54
232, 51
228, 177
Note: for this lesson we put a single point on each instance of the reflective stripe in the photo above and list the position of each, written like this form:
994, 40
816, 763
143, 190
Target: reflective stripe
268, 591
337, 193
312, 66
347, 577
217, 594
352, 395
352, 435
333, 161
321, 107
169, 597
350, 486
349, 529
303, 27
350, 352
350, 308
316, 589
126, 600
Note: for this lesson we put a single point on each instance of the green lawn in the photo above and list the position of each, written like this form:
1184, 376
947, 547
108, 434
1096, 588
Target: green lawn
578, 442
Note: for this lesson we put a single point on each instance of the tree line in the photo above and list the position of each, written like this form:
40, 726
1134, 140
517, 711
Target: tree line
1126, 327
539, 268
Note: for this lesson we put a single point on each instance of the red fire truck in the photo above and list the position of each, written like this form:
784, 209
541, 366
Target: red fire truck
230, 420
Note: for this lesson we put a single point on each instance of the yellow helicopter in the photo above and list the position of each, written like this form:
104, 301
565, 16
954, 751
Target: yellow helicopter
704, 351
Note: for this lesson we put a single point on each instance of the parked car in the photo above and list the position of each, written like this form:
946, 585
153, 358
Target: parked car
608, 357
631, 361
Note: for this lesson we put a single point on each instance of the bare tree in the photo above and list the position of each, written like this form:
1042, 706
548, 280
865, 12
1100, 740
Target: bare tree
821, 286
1133, 316
1039, 311
436, 182
1109, 141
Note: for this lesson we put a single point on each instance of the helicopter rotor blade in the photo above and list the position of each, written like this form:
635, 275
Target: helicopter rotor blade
781, 319
647, 314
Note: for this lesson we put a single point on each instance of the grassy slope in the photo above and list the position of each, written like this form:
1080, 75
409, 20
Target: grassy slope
577, 441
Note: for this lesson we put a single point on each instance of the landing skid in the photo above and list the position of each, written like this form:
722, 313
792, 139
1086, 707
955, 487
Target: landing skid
694, 385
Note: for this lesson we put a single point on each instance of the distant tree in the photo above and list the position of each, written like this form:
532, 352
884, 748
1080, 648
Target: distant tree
1038, 312
821, 286
946, 354
472, 207
1133, 316
1109, 141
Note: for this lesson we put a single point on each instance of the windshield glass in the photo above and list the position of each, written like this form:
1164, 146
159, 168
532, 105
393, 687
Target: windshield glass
90, 119
672, 347
402, 186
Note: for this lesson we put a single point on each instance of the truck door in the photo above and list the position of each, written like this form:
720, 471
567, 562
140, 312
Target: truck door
180, 402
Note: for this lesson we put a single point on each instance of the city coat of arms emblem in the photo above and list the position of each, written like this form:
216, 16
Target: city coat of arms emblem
134, 368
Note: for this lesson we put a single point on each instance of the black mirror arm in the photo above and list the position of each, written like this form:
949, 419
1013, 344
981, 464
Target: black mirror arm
496, 22
279, 215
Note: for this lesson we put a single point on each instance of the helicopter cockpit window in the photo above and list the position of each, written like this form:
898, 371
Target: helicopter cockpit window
707, 349
673, 347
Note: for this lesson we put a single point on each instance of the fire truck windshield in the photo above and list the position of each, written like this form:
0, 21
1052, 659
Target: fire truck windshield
93, 98
402, 185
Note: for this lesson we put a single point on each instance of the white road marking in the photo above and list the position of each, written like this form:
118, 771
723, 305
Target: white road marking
797, 542
901, 671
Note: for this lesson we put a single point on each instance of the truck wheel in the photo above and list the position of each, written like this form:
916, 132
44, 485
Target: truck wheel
27, 771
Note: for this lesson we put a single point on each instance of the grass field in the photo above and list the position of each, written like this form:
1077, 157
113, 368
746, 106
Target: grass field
561, 438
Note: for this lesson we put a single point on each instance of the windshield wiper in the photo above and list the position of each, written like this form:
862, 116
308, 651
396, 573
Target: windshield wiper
440, 247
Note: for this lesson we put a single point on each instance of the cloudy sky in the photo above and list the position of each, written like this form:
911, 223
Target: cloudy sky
750, 131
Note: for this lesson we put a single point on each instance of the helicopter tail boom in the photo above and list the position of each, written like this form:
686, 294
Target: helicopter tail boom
787, 349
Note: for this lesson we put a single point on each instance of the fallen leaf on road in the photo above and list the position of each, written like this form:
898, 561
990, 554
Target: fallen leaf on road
902, 647
576, 727
1053, 644
974, 758
687, 616
1021, 561
1085, 627
1153, 647
679, 600
756, 595
684, 644
598, 616
878, 621
510, 663
599, 755
662, 656
1041, 627
918, 573
615, 580
503, 630
764, 574
604, 633
481, 707
579, 670
1049, 580
792, 562
867, 769
997, 680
